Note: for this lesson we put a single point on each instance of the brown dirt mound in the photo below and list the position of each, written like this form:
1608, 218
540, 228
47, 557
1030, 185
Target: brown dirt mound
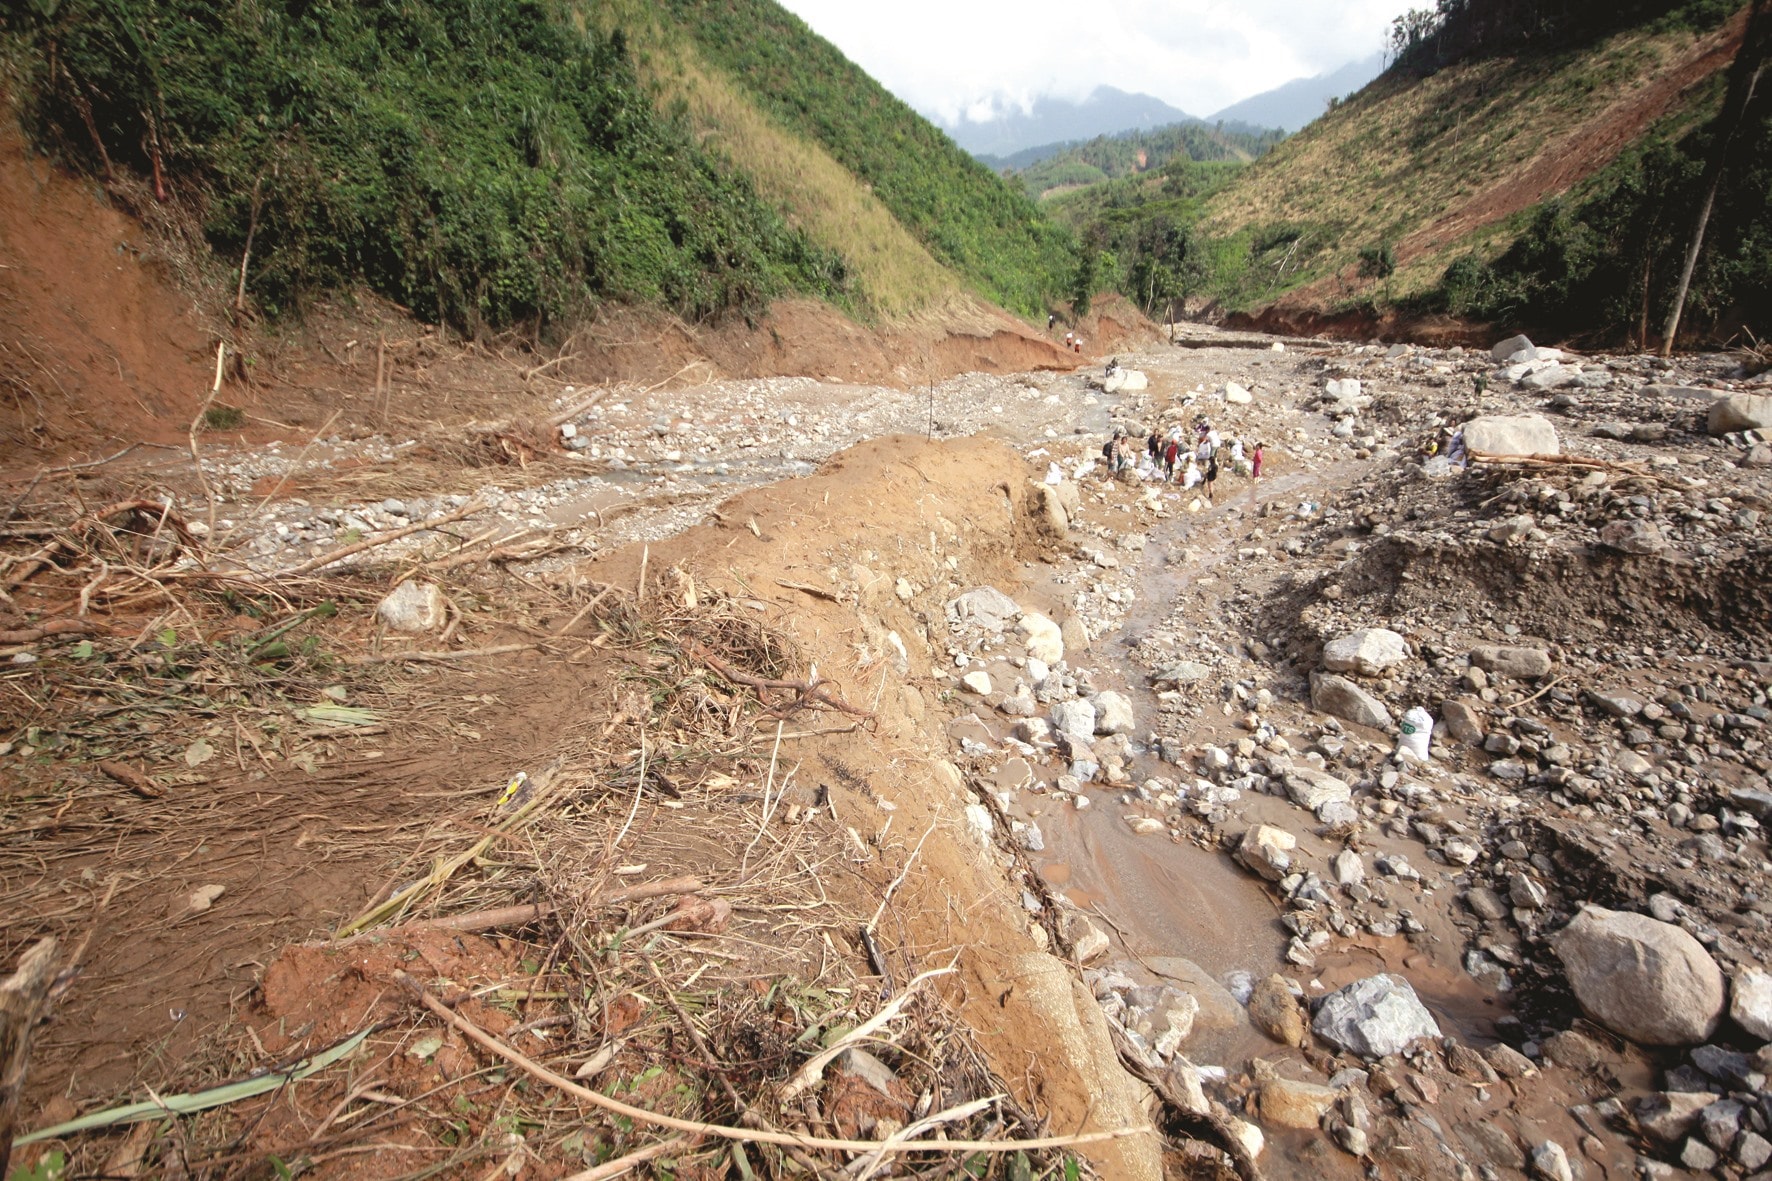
171, 987
96, 344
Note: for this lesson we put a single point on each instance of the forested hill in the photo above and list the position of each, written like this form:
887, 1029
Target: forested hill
1062, 167
967, 217
495, 163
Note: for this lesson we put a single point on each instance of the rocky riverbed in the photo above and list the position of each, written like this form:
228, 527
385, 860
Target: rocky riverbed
1195, 728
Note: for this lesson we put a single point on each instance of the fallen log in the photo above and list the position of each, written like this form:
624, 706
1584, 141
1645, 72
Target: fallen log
49, 627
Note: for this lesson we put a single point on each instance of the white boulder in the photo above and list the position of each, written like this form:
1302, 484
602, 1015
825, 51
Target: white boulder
1511, 434
1113, 713
1369, 651
1043, 639
1750, 1002
1267, 851
414, 607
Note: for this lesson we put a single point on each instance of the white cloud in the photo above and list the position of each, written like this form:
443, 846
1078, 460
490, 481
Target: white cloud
954, 56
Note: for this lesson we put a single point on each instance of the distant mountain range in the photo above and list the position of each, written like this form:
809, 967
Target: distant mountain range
1057, 120
1052, 122
1295, 103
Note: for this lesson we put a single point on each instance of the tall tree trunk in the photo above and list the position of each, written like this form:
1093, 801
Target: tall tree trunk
1744, 77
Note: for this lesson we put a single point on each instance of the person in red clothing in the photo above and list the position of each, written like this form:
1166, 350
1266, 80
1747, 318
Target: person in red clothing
1255, 460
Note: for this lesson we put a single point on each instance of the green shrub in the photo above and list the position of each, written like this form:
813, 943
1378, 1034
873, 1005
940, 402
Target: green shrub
1378, 262
224, 418
969, 217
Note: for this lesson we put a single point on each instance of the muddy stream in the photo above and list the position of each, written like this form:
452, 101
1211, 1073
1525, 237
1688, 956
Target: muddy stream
1186, 914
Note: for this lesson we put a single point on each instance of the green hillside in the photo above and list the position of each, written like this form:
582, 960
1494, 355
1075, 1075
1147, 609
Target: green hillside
967, 216
500, 163
480, 161
1111, 157
1548, 184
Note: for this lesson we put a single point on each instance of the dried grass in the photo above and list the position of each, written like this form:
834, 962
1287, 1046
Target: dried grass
699, 1007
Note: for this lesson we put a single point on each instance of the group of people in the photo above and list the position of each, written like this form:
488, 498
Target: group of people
1174, 459
1073, 343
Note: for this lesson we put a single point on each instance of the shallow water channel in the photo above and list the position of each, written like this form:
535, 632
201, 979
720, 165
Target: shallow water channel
1190, 915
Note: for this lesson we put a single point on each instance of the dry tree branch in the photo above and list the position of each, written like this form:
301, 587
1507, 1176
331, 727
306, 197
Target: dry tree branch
747, 1135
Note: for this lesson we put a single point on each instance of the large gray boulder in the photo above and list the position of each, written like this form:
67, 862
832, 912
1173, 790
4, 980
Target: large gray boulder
1511, 434
1551, 377
1641, 978
1184, 672
1311, 788
983, 607
1511, 348
1527, 664
1074, 717
1347, 701
1375, 1017
1740, 412
1369, 651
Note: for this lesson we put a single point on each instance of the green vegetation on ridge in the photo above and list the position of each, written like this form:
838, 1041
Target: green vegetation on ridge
968, 217
1111, 157
1489, 189
484, 162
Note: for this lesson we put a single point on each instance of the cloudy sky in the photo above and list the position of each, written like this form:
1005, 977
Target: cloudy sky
952, 57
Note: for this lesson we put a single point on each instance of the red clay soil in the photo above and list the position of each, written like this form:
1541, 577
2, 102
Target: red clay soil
96, 345
1391, 325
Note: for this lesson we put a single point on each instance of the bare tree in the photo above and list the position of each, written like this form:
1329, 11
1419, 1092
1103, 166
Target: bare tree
1744, 78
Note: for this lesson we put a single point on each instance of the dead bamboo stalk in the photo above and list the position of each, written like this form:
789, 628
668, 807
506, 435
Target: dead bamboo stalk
24, 996
529, 912
627, 1162
357, 547
381, 353
441, 657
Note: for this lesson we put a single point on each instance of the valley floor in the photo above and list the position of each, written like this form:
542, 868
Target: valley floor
730, 632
